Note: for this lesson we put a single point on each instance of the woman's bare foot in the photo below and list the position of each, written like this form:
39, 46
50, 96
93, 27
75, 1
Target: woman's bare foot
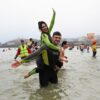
26, 76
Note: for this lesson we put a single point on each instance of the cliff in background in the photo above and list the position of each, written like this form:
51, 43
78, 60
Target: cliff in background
15, 42
75, 41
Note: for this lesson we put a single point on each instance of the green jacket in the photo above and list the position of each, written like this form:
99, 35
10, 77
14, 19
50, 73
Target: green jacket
46, 38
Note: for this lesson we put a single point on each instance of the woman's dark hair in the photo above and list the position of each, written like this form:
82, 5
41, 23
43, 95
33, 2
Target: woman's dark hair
63, 43
31, 39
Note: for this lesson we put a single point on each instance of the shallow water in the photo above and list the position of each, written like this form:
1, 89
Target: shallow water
78, 80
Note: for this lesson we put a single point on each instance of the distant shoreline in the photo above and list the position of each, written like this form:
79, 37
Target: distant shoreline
8, 46
98, 46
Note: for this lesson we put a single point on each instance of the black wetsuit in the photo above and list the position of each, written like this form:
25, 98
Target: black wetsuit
46, 72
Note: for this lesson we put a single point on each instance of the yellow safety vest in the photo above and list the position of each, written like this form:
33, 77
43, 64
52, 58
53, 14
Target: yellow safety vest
23, 51
93, 47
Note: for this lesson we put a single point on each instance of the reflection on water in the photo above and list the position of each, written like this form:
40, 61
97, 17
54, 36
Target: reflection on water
78, 80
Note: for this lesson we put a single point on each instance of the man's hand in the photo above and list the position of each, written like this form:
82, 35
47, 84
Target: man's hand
56, 68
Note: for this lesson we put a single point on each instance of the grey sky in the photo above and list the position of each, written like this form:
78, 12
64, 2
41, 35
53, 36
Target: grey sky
74, 18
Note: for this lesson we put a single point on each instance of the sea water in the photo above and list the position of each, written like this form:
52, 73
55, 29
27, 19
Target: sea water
79, 79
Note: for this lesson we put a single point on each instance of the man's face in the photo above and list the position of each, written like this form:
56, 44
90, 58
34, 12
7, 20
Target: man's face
66, 46
56, 39
22, 43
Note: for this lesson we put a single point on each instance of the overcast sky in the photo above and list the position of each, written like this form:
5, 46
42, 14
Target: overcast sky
74, 18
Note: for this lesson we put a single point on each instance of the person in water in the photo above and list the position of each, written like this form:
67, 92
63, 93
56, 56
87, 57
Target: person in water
23, 51
94, 49
46, 66
29, 43
62, 57
64, 46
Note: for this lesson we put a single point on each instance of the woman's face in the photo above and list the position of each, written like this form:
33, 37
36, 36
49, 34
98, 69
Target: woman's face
44, 28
